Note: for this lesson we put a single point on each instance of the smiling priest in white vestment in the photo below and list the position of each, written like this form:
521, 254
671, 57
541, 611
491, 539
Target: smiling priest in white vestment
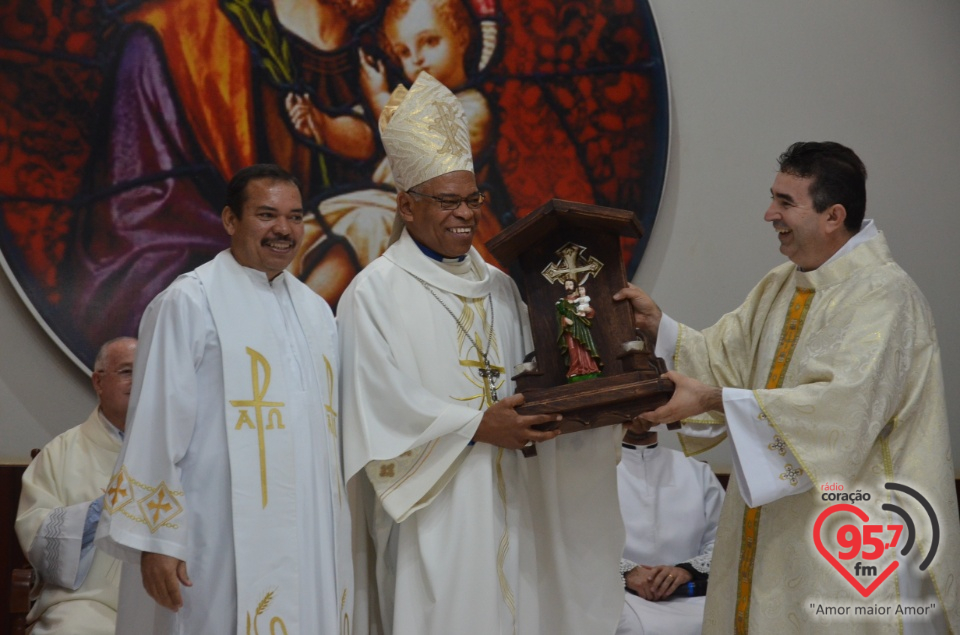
466, 535
228, 491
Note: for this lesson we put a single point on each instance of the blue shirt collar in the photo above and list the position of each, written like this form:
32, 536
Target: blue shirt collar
429, 253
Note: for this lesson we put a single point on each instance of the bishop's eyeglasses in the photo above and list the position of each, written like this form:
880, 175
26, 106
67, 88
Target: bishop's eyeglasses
451, 202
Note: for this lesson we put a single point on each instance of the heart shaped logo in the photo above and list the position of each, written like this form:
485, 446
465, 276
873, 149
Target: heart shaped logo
829, 557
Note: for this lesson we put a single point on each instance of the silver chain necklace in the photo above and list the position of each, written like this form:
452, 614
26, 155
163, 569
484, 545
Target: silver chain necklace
488, 371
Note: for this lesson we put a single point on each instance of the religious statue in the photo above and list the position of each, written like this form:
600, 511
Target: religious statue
563, 249
574, 338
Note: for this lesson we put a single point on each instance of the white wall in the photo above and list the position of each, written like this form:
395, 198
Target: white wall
748, 78
42, 392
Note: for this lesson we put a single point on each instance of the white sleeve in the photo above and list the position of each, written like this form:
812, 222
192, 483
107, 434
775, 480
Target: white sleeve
51, 533
713, 494
765, 468
667, 336
408, 424
56, 551
666, 349
160, 425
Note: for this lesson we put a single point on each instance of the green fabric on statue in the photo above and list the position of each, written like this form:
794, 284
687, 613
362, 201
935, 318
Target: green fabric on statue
576, 342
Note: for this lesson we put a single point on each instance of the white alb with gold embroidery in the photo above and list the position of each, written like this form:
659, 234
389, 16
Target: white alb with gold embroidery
233, 419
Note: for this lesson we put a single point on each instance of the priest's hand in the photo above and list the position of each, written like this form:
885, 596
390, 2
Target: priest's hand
690, 398
162, 576
663, 580
504, 427
646, 313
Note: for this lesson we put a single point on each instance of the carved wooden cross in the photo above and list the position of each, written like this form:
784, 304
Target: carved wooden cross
572, 262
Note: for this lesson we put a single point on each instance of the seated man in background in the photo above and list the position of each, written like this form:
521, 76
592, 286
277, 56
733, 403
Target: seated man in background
60, 506
670, 506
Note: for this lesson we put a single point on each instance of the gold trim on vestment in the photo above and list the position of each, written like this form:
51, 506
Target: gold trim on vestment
428, 449
748, 553
345, 623
677, 349
792, 326
331, 415
262, 607
505, 589
274, 416
683, 443
888, 473
156, 509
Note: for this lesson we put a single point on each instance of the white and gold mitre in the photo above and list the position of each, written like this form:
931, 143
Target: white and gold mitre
424, 132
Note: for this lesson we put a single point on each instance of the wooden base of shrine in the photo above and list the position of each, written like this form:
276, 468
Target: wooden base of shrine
595, 403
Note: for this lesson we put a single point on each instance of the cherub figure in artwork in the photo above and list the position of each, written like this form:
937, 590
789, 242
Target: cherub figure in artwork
418, 35
442, 38
436, 36
575, 340
433, 36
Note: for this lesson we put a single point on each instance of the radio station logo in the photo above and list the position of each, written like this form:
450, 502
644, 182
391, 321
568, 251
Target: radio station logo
859, 545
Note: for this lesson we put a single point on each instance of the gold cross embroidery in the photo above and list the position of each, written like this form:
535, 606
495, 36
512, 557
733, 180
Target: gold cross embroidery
489, 378
159, 506
446, 124
778, 445
791, 474
274, 415
117, 491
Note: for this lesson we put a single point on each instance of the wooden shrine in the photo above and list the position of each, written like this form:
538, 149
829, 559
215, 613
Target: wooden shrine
589, 363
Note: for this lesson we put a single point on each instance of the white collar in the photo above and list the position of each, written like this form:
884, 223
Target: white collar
406, 255
260, 277
868, 230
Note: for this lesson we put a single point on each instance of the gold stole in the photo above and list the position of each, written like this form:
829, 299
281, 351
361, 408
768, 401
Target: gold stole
792, 326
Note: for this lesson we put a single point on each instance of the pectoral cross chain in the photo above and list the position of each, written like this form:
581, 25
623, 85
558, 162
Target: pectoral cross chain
489, 374
490, 377
485, 369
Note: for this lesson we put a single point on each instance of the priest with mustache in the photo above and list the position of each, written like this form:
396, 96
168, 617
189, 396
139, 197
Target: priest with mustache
227, 498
